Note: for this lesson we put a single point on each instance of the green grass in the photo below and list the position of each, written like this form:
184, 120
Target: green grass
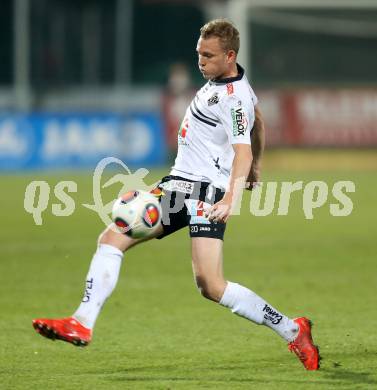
157, 332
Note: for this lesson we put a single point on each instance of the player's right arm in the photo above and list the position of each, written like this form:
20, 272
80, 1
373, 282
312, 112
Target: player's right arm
257, 146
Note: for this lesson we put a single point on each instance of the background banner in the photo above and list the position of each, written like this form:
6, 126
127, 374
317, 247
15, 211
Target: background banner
45, 140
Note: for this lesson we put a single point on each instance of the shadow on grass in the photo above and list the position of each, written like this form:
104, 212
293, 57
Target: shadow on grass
326, 376
341, 374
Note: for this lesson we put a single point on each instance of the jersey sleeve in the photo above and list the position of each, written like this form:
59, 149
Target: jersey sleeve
253, 97
237, 117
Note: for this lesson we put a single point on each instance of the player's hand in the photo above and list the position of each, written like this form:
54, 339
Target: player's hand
253, 179
220, 211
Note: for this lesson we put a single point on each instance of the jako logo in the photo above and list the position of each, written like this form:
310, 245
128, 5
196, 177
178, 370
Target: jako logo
16, 140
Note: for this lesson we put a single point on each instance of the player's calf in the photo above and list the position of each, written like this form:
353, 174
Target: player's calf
210, 289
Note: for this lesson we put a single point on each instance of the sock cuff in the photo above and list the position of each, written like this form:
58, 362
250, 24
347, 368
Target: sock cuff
243, 302
230, 294
106, 249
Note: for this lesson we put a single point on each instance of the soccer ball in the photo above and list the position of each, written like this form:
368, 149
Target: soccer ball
137, 214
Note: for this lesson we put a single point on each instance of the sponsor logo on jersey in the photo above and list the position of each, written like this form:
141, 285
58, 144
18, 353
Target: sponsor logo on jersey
214, 99
183, 129
229, 88
183, 132
272, 315
239, 121
178, 185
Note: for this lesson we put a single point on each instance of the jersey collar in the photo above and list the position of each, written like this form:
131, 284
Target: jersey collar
228, 80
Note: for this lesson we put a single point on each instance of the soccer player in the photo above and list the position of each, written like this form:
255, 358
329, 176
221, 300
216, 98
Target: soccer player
220, 145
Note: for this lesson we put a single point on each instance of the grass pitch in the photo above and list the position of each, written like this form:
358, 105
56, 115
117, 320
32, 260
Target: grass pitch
157, 332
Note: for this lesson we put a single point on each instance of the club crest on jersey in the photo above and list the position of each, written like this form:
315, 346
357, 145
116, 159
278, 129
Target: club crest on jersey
229, 88
214, 99
239, 121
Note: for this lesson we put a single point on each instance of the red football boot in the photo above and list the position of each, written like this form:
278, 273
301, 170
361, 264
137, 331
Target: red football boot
66, 329
303, 345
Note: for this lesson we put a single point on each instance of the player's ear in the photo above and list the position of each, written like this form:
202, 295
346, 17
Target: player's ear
231, 56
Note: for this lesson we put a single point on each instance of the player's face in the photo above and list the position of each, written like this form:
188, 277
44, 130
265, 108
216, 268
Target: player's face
213, 61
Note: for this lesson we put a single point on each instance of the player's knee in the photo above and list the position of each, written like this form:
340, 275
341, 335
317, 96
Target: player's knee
104, 238
115, 239
212, 290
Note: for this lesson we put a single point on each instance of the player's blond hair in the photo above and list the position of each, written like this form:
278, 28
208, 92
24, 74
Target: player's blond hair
223, 29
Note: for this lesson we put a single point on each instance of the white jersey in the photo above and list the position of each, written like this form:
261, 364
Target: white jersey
220, 115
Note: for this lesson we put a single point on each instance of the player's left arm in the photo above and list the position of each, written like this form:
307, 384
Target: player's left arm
257, 146
221, 210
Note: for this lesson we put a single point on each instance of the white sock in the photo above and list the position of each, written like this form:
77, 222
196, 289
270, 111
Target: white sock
100, 283
249, 305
